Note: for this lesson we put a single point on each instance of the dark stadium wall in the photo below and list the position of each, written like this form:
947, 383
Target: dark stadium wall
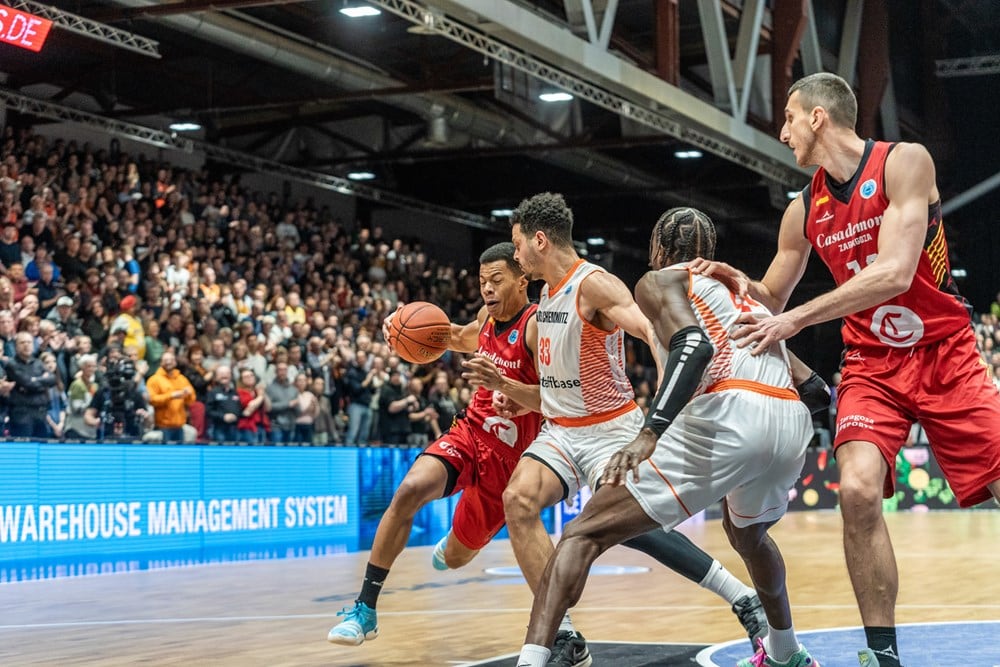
445, 241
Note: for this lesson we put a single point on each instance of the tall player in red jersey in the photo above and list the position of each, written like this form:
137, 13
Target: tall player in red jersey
477, 455
873, 214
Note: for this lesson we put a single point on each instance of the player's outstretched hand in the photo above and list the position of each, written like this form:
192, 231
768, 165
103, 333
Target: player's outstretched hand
387, 320
760, 334
735, 280
628, 459
480, 371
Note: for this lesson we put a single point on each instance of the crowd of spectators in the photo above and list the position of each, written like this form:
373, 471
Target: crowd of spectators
987, 328
139, 300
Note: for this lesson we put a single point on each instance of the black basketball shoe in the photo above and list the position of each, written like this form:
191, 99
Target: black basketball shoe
751, 614
570, 650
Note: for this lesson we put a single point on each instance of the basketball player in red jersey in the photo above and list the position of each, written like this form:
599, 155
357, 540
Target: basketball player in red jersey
477, 455
873, 214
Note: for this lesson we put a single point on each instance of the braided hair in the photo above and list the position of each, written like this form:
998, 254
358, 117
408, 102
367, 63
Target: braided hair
684, 233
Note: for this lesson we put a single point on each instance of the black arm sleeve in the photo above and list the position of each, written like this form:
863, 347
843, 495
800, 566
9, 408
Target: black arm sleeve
815, 394
690, 354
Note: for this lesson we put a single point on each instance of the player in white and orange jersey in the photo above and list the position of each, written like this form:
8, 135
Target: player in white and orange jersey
588, 404
724, 423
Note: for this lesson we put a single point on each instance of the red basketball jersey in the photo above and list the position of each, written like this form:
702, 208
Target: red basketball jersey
506, 347
843, 221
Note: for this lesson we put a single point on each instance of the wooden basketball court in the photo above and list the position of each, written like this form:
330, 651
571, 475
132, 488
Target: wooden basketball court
277, 612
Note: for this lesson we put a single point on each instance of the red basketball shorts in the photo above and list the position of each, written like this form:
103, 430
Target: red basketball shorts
947, 388
483, 472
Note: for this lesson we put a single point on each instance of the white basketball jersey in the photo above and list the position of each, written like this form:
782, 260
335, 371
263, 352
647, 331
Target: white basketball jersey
581, 368
717, 310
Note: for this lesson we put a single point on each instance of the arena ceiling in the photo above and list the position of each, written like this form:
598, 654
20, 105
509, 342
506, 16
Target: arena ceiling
440, 100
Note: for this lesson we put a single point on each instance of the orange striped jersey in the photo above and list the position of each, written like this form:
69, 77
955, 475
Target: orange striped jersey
843, 222
581, 368
732, 367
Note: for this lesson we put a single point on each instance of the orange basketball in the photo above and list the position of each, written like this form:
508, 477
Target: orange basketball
419, 332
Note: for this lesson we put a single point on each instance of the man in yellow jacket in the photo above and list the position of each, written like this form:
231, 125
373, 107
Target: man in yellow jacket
170, 393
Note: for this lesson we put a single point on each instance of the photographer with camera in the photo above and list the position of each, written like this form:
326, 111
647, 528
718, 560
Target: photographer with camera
170, 393
118, 405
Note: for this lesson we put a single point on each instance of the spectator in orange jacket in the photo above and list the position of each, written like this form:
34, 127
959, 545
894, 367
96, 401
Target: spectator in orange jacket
170, 393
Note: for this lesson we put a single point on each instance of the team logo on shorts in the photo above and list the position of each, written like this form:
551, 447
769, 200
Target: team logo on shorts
449, 449
502, 429
512, 338
868, 189
897, 326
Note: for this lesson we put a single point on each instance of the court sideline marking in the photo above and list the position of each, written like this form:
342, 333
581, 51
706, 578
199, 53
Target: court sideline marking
447, 612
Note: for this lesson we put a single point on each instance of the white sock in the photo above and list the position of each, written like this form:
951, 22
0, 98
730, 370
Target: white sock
440, 547
781, 644
566, 624
533, 655
721, 582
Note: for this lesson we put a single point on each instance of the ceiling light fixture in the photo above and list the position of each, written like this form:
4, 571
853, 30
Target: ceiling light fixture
361, 175
360, 11
687, 155
555, 97
502, 212
792, 194
185, 127
596, 240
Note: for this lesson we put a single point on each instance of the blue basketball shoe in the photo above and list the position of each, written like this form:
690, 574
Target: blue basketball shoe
359, 624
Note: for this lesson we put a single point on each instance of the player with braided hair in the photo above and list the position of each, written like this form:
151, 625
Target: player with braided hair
685, 233
689, 235
736, 429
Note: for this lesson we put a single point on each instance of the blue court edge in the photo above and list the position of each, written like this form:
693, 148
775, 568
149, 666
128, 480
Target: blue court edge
943, 644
